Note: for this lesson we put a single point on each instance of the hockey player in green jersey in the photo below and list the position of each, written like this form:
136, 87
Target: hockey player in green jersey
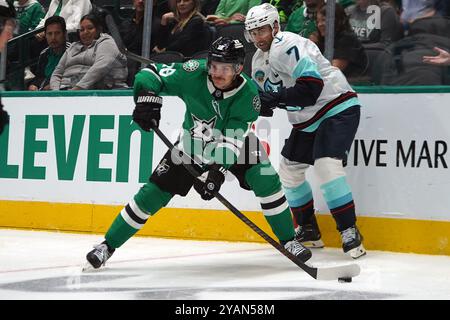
221, 105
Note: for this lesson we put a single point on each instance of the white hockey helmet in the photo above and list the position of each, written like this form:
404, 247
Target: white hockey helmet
261, 15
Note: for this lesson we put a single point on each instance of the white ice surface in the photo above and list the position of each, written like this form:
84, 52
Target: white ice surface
47, 265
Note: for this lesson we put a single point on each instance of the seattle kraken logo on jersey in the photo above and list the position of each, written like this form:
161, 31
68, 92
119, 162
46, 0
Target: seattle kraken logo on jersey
270, 86
203, 129
259, 75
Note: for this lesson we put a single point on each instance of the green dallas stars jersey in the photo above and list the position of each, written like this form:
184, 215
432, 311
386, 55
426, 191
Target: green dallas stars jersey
215, 123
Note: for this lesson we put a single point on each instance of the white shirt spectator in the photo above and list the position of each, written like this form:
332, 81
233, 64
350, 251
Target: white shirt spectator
71, 11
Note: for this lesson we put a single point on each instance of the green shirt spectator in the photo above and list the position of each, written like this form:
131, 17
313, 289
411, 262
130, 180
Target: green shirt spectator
285, 7
229, 11
346, 3
303, 20
29, 14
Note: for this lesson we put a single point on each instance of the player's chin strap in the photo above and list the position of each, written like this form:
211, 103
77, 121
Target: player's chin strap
327, 273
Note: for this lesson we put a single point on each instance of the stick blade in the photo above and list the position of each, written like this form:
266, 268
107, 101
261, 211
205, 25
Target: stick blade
336, 272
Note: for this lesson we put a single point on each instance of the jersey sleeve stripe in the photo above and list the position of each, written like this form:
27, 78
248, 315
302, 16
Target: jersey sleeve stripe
306, 67
310, 79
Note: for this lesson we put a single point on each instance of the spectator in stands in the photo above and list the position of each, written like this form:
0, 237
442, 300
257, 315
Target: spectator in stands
284, 7
209, 7
442, 59
424, 18
7, 23
183, 30
349, 54
55, 34
372, 29
70, 10
7, 26
131, 30
303, 20
231, 11
346, 3
29, 14
94, 62
416, 9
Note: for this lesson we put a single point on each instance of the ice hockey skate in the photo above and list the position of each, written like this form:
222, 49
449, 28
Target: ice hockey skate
309, 234
298, 250
352, 242
98, 257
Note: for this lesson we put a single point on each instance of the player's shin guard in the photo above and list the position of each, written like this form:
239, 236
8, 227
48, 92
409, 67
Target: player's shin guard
134, 215
339, 199
301, 201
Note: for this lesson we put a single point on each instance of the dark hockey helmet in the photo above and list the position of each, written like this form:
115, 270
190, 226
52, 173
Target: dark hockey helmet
227, 50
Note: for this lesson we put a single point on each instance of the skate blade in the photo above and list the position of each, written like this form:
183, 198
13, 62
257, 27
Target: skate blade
314, 244
87, 267
357, 252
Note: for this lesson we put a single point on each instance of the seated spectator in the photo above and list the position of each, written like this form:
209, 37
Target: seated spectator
442, 59
209, 7
346, 4
434, 24
131, 30
284, 7
370, 31
402, 63
7, 24
55, 34
349, 54
231, 11
303, 20
414, 9
70, 10
94, 62
29, 14
183, 30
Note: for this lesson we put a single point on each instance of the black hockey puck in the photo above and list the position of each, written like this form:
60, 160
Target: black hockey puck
345, 279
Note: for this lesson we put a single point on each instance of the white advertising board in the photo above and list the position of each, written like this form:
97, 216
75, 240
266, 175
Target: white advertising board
85, 149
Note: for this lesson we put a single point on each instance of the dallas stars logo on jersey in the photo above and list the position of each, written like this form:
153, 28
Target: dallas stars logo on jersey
191, 65
203, 130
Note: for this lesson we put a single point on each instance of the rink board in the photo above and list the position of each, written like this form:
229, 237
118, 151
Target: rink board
70, 161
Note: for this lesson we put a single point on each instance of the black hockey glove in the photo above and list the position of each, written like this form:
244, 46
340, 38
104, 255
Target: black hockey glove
271, 100
147, 112
4, 118
213, 178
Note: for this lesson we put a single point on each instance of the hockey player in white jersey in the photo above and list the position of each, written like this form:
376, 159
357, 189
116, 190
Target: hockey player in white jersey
324, 112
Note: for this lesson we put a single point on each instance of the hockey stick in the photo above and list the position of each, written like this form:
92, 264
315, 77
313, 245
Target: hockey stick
326, 273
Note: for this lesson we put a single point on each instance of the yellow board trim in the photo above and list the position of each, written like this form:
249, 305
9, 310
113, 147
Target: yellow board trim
386, 234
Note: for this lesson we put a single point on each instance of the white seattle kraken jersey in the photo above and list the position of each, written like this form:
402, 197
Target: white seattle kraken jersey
293, 57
